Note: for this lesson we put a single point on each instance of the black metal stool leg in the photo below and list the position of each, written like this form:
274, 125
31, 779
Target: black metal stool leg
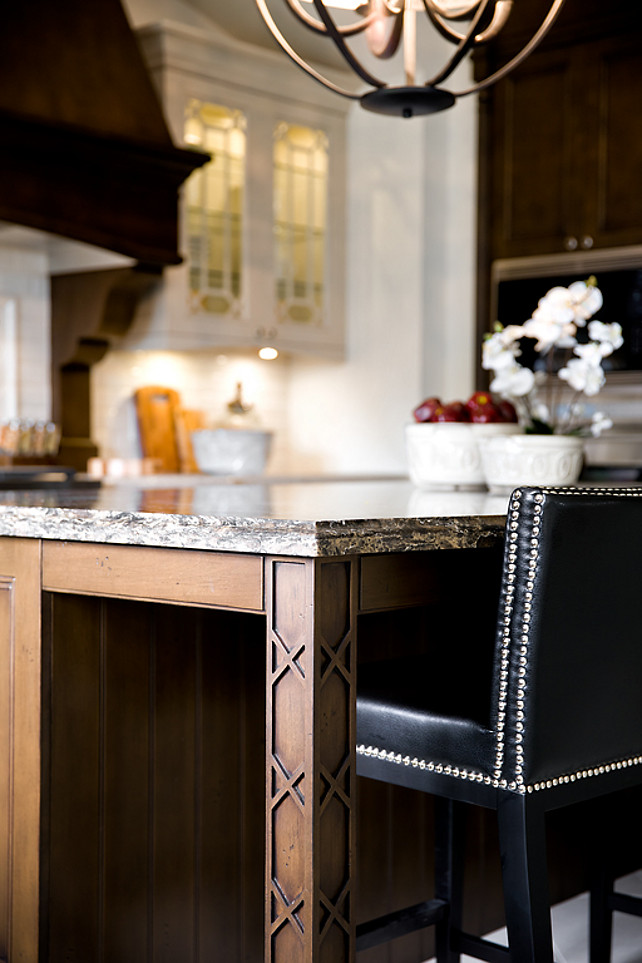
449, 874
522, 840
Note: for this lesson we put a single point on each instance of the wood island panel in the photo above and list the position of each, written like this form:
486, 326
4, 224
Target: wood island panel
395, 581
158, 574
20, 667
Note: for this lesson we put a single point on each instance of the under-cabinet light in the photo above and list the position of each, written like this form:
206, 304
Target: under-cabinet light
268, 354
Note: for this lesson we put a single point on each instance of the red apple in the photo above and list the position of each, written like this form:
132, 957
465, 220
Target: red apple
455, 411
507, 411
482, 408
425, 410
479, 399
485, 416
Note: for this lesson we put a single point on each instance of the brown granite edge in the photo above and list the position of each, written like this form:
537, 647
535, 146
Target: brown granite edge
252, 535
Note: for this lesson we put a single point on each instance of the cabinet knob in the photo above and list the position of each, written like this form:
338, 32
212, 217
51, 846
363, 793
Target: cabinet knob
587, 242
260, 333
570, 243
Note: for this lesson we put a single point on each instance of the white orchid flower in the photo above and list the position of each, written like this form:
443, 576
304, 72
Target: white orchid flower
583, 376
554, 324
606, 334
549, 332
593, 352
501, 348
513, 382
600, 422
555, 306
586, 300
512, 333
574, 304
495, 355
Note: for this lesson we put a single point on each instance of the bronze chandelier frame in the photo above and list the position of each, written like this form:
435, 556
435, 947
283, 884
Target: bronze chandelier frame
385, 23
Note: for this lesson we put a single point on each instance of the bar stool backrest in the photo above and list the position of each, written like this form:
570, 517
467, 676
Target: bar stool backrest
567, 694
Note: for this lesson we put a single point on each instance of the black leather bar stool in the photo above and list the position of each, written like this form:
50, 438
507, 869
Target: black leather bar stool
559, 722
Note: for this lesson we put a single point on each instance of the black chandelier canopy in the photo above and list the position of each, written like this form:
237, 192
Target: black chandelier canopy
388, 25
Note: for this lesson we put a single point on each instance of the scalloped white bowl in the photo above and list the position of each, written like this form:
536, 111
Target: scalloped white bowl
447, 455
531, 460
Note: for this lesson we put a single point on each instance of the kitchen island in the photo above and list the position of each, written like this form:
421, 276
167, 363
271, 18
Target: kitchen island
177, 706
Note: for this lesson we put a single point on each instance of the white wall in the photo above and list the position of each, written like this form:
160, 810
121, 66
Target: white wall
410, 290
24, 332
354, 412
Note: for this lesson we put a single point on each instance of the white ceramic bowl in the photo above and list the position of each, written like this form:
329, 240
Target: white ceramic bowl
231, 451
531, 460
447, 454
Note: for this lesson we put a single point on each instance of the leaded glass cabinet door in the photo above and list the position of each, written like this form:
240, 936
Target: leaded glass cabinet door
300, 222
215, 210
308, 241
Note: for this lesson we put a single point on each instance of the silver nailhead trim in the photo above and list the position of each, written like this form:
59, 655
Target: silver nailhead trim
599, 770
396, 757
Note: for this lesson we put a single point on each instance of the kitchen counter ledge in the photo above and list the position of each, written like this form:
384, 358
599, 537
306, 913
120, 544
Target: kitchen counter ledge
311, 519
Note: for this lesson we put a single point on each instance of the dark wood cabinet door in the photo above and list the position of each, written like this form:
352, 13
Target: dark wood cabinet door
613, 151
533, 158
566, 151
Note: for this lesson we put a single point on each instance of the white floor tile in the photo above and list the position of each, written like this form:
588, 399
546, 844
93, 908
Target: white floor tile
570, 929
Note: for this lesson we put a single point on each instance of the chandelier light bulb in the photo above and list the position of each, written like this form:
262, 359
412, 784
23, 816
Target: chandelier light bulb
389, 25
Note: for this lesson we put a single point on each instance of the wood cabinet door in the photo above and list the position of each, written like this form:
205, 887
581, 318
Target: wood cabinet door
612, 143
566, 152
535, 171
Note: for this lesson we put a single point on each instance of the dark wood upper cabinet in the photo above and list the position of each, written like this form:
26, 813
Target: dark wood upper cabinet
566, 152
560, 148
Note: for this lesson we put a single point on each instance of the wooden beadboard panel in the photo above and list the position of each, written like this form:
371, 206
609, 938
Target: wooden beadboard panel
156, 574
153, 835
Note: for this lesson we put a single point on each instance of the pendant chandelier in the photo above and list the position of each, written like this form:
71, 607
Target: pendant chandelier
389, 24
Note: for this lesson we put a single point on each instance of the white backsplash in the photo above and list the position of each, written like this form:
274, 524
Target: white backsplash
206, 381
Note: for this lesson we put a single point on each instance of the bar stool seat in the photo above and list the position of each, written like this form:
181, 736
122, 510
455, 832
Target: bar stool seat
393, 709
557, 718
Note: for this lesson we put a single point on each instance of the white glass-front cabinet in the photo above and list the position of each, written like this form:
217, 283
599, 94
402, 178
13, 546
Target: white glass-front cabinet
263, 222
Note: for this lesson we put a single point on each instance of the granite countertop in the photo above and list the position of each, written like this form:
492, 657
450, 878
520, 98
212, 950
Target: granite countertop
313, 518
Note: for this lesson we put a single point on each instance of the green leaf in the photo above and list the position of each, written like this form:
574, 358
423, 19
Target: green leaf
538, 427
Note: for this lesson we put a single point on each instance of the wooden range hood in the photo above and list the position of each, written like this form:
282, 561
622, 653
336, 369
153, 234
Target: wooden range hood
85, 152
